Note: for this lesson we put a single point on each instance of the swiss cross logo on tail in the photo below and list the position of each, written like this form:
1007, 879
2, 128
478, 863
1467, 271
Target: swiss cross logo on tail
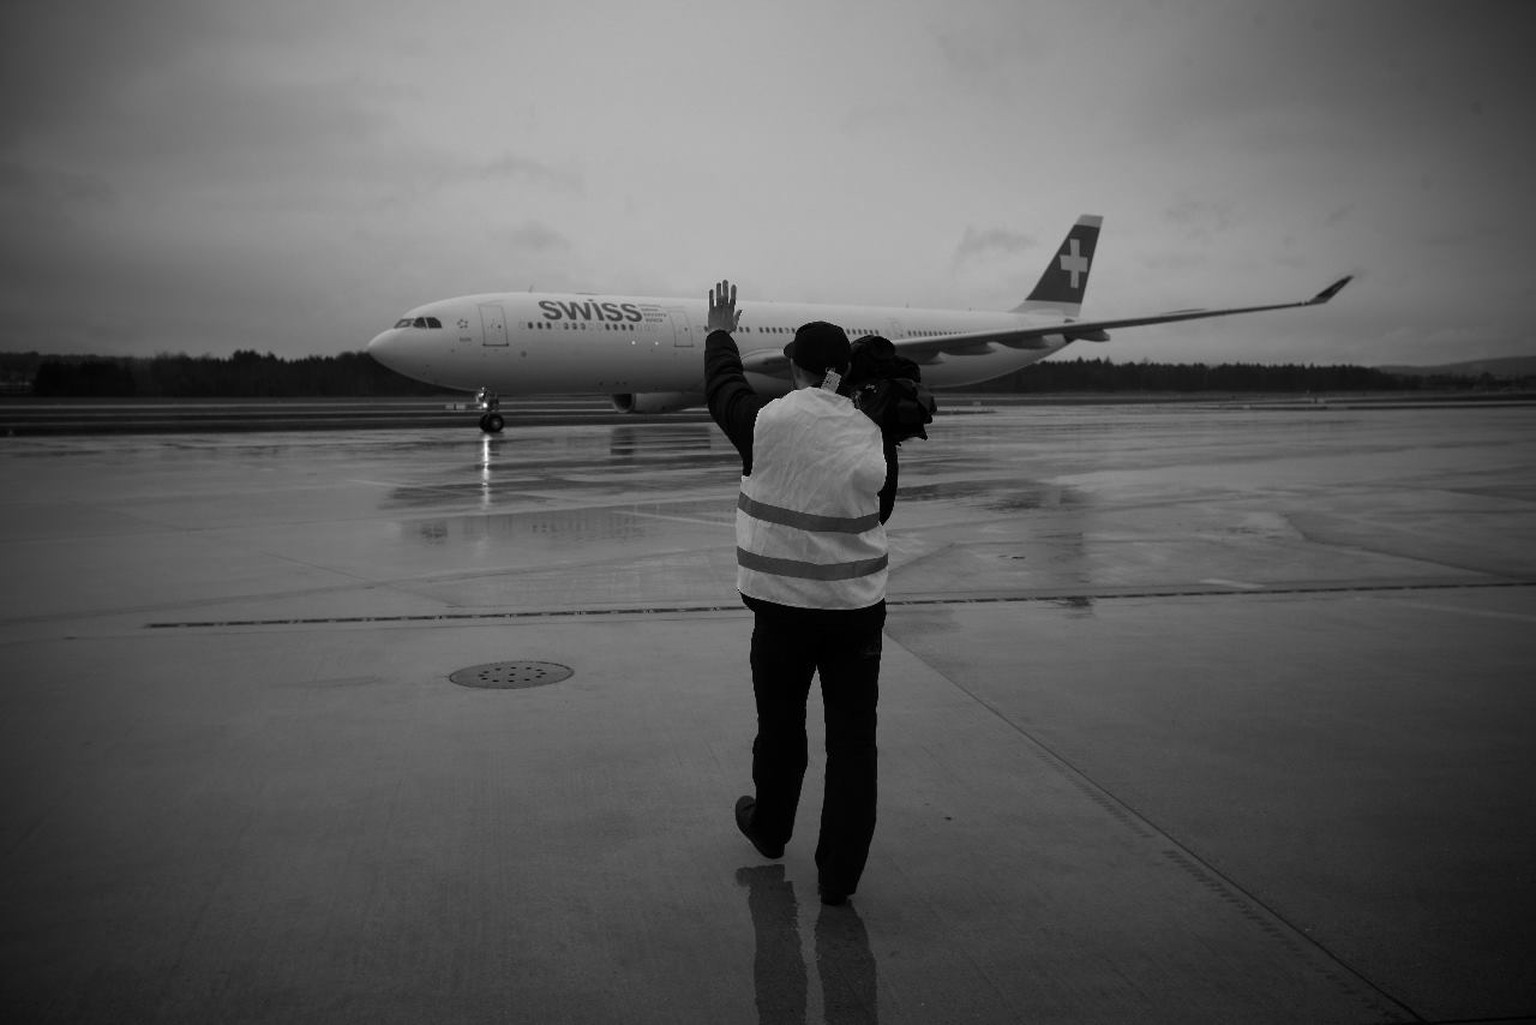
1065, 278
1073, 261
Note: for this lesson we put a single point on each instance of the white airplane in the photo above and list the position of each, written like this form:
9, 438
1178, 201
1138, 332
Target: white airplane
647, 353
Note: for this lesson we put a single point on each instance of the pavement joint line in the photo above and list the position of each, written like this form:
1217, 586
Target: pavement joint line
1349, 981
1073, 596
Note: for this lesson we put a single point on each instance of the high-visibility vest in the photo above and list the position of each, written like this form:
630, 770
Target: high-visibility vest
808, 530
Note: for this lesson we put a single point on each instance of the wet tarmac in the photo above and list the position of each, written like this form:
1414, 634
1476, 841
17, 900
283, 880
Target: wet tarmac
26, 416
1189, 714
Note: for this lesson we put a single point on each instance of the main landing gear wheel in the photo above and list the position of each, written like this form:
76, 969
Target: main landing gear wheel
492, 423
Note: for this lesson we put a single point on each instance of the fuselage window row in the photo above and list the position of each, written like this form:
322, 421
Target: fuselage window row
544, 325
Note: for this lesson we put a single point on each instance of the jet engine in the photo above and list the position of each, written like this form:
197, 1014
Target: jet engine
656, 401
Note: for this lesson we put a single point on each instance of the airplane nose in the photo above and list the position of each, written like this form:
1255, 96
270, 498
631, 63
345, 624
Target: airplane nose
405, 352
383, 345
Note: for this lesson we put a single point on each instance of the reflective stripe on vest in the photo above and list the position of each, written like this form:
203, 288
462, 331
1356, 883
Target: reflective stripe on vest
807, 521
811, 570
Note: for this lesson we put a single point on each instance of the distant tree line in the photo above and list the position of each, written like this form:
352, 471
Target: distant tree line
248, 374
1102, 375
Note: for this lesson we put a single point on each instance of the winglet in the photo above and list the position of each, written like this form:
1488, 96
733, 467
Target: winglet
1331, 291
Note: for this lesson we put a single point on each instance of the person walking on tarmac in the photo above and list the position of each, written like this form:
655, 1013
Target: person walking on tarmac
817, 485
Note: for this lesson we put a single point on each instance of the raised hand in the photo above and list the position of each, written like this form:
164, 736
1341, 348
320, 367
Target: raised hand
723, 315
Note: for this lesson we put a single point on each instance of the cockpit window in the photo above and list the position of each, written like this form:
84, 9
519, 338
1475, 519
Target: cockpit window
419, 322
403, 322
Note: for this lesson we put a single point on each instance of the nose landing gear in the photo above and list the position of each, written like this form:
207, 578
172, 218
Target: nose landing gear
491, 421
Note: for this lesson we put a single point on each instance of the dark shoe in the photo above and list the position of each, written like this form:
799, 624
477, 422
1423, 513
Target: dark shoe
831, 896
744, 806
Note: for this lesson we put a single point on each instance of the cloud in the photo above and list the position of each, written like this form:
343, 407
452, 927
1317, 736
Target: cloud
988, 50
514, 167
35, 191
1339, 216
61, 63
1200, 219
875, 118
980, 244
532, 238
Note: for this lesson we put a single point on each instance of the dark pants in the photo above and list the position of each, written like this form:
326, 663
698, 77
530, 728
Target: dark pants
789, 646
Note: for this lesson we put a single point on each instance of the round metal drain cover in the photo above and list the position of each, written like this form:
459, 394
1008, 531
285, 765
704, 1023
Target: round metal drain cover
511, 675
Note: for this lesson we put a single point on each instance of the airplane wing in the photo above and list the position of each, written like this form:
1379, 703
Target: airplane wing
932, 350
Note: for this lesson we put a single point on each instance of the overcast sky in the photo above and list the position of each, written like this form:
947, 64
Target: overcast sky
288, 176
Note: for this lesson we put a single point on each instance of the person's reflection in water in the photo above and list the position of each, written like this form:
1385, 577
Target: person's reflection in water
778, 968
844, 961
846, 966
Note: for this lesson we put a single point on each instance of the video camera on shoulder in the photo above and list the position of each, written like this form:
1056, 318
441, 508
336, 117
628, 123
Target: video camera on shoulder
888, 388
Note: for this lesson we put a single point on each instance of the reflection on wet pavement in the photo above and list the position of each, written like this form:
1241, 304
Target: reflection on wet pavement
845, 965
587, 463
1023, 502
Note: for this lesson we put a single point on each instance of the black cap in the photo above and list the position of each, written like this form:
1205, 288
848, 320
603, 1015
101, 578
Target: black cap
819, 347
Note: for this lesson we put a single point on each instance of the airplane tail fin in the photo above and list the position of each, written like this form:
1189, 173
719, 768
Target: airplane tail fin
1060, 289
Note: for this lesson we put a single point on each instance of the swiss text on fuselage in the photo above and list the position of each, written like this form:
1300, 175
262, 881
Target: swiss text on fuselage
556, 309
